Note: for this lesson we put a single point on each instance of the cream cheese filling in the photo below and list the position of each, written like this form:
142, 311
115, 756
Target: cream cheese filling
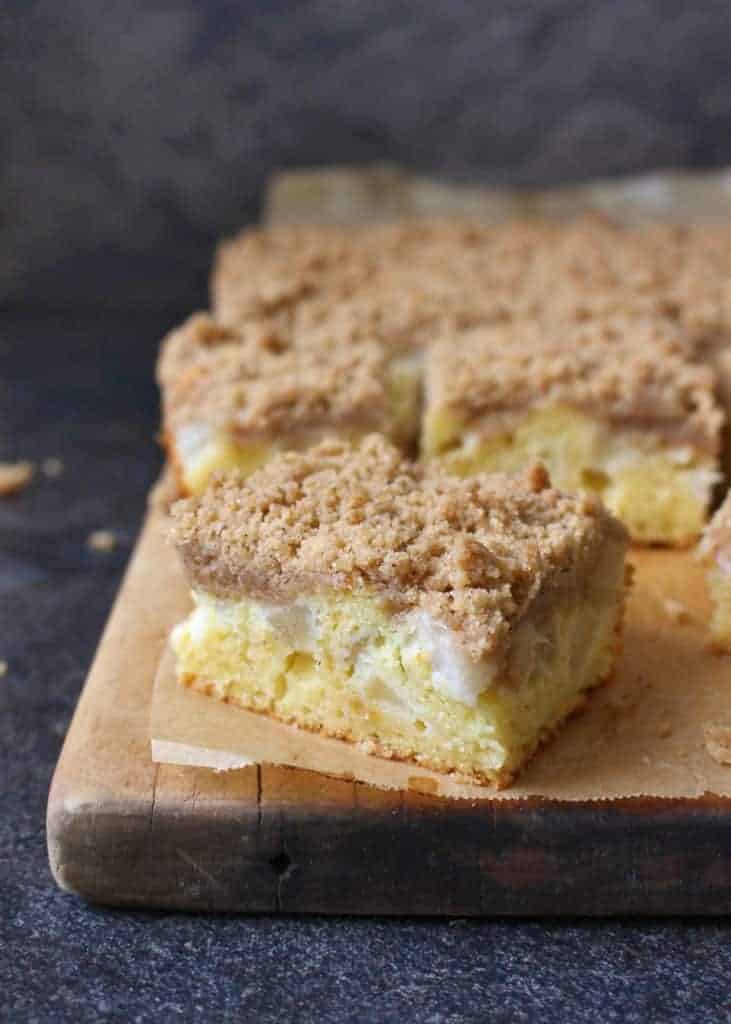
364, 650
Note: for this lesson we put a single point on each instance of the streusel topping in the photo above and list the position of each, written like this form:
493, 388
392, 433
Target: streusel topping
474, 553
400, 284
631, 371
407, 281
250, 382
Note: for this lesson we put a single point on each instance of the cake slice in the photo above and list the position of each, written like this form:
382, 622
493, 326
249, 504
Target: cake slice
616, 406
715, 551
453, 623
232, 397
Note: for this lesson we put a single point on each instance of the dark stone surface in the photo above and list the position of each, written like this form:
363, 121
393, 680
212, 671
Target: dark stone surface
133, 134
82, 390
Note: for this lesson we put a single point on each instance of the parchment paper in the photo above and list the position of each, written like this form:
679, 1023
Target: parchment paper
382, 192
645, 732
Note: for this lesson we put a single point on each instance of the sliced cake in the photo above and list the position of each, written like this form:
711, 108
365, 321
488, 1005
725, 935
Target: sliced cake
454, 623
233, 397
616, 406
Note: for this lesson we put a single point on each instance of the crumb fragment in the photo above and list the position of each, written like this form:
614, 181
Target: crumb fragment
676, 611
52, 467
718, 741
3, 668
101, 540
664, 729
14, 476
538, 478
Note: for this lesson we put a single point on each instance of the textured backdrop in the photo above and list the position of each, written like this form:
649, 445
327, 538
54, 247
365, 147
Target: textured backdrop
134, 133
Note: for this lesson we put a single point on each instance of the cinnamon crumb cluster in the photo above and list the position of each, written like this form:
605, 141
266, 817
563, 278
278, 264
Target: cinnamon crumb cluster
471, 552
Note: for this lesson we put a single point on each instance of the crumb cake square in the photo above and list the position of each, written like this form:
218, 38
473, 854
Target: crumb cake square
233, 397
616, 406
450, 622
715, 551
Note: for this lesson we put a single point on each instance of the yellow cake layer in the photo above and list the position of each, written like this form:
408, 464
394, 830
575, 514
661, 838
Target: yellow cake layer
199, 450
719, 586
345, 665
661, 494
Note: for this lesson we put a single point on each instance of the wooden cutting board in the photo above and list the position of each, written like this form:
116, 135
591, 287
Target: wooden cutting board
125, 831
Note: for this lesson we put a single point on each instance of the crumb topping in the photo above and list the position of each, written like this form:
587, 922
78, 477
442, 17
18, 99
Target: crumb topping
403, 281
250, 382
474, 553
398, 283
634, 372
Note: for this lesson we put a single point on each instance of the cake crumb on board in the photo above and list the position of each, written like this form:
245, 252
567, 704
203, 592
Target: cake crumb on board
52, 467
14, 477
101, 540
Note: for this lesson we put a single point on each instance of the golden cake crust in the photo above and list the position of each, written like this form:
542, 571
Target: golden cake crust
474, 553
500, 779
630, 371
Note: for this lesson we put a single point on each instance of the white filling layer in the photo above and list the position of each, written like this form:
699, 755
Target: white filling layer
191, 444
366, 653
453, 672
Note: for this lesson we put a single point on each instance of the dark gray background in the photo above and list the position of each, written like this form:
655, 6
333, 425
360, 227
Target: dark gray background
134, 133
131, 135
